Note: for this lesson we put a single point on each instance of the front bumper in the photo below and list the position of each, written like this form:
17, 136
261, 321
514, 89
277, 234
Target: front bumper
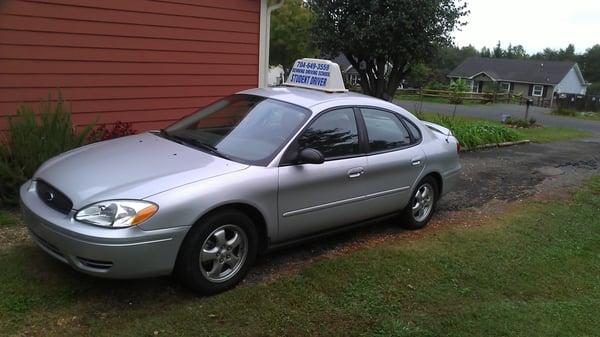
111, 253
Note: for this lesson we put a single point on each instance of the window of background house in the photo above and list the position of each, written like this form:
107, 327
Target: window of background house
334, 134
505, 86
538, 91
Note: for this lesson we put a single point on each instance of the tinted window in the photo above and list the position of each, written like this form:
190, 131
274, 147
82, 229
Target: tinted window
416, 133
244, 128
385, 130
333, 133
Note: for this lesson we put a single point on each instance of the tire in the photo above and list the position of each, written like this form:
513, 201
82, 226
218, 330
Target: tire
217, 252
427, 190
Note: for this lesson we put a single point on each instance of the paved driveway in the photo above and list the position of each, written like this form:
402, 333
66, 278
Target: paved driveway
495, 112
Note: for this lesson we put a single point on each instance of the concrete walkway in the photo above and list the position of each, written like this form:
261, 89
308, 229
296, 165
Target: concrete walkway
495, 112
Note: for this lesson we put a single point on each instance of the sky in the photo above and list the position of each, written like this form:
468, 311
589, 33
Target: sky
535, 24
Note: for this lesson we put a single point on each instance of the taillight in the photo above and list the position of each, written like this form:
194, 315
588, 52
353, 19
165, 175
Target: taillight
457, 147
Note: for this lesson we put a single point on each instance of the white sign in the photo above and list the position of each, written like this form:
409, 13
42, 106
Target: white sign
316, 74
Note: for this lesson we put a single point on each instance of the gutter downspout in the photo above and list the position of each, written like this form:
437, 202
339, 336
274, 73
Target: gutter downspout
265, 38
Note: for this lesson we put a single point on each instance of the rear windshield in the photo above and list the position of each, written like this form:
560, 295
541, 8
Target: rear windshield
244, 128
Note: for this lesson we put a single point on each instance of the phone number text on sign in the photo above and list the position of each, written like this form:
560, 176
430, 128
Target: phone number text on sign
310, 73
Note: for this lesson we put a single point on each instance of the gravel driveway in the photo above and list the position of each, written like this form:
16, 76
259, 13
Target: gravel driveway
488, 176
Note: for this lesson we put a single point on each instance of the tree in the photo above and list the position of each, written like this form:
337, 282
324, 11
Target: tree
518, 52
290, 34
419, 75
498, 51
446, 58
384, 39
485, 52
591, 65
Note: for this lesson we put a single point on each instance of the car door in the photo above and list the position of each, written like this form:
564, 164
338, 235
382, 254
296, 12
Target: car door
395, 159
318, 197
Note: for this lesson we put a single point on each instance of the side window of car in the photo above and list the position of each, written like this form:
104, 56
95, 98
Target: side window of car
385, 130
415, 132
334, 134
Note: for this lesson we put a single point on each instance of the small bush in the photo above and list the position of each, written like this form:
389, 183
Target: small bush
521, 123
119, 129
458, 89
31, 140
565, 112
475, 133
436, 86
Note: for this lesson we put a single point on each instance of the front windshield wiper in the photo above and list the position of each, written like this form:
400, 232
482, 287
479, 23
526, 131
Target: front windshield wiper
194, 143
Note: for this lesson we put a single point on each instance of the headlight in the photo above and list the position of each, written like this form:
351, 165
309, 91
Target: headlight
117, 213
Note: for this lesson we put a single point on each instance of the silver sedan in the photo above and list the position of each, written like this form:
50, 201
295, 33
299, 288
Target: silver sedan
254, 171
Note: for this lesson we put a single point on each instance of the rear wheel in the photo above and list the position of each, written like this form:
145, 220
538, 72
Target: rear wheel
422, 204
217, 252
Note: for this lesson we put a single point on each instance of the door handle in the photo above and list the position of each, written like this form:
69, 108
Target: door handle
356, 172
416, 162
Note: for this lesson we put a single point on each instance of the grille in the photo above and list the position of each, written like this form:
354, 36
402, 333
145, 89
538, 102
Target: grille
47, 244
53, 198
105, 265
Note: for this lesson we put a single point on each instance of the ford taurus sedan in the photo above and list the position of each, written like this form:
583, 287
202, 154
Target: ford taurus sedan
251, 172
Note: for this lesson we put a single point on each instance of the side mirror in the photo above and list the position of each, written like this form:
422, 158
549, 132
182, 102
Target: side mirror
310, 156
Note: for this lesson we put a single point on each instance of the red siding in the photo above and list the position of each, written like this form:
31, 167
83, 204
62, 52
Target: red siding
140, 61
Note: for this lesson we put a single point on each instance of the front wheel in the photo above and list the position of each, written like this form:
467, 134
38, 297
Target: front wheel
422, 204
217, 252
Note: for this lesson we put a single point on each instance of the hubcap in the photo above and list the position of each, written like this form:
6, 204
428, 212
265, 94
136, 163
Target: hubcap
223, 253
423, 202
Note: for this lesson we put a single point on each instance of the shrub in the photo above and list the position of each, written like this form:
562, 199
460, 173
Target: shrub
473, 133
436, 86
565, 112
458, 89
521, 123
119, 129
31, 140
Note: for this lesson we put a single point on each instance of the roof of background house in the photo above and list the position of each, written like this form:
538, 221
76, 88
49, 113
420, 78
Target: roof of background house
344, 64
529, 71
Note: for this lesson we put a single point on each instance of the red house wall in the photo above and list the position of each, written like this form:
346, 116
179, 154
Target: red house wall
140, 61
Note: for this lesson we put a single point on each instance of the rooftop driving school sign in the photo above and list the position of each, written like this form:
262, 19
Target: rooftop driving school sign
316, 74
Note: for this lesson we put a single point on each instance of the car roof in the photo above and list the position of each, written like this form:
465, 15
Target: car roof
307, 98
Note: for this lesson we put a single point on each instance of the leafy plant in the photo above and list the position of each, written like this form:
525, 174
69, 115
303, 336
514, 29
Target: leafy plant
458, 89
521, 123
565, 112
473, 133
31, 140
436, 86
104, 132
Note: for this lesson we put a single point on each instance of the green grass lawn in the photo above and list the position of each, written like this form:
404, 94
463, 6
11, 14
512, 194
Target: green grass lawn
442, 100
549, 134
533, 271
473, 132
417, 98
592, 116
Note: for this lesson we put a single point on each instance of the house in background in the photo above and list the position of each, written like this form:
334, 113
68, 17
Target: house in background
350, 74
145, 62
538, 80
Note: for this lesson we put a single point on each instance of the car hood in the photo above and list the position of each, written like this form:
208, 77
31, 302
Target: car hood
132, 167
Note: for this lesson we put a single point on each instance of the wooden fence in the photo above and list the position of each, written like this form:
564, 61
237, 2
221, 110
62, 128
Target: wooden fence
454, 97
589, 103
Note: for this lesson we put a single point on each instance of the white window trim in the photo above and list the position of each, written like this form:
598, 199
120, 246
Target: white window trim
537, 86
472, 84
503, 88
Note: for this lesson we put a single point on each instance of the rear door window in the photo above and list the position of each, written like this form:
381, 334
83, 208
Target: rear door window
385, 130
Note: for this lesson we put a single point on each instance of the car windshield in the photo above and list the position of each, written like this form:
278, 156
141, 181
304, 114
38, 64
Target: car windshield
244, 128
